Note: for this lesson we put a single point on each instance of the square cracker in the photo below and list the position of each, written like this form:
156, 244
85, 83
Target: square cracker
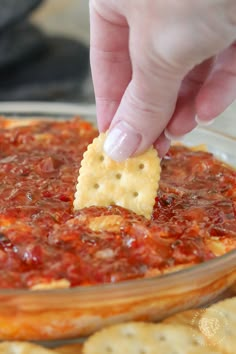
148, 338
218, 325
131, 184
188, 318
16, 347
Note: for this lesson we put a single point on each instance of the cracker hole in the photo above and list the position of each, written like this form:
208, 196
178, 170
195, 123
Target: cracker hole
96, 186
162, 338
142, 351
135, 194
101, 158
129, 334
109, 349
141, 166
195, 342
118, 176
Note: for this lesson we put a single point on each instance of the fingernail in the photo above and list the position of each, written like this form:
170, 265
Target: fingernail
122, 142
162, 148
169, 136
204, 123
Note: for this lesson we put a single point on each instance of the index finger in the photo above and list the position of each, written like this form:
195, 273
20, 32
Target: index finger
110, 62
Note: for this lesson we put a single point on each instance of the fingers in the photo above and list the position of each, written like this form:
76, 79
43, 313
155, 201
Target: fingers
110, 64
219, 90
162, 145
137, 102
146, 107
205, 93
184, 117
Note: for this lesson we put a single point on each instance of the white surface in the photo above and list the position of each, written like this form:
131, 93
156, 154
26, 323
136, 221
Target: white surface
44, 107
226, 123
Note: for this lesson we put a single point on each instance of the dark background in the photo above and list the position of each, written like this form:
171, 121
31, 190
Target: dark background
44, 54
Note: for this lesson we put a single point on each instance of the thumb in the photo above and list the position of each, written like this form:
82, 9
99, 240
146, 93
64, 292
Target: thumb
144, 111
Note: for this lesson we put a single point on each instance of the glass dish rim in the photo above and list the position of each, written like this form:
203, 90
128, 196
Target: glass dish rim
50, 109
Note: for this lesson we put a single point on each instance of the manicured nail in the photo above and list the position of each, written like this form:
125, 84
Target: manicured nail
122, 141
204, 123
170, 137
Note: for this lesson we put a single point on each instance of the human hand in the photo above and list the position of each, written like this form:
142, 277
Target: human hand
157, 65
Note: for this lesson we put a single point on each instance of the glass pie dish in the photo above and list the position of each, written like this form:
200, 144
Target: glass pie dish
59, 314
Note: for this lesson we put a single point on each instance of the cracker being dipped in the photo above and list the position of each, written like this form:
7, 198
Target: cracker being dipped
131, 184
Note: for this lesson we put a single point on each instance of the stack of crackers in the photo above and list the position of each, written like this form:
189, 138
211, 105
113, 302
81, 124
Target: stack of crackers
201, 331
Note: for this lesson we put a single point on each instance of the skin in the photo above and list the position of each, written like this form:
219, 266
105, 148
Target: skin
160, 68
